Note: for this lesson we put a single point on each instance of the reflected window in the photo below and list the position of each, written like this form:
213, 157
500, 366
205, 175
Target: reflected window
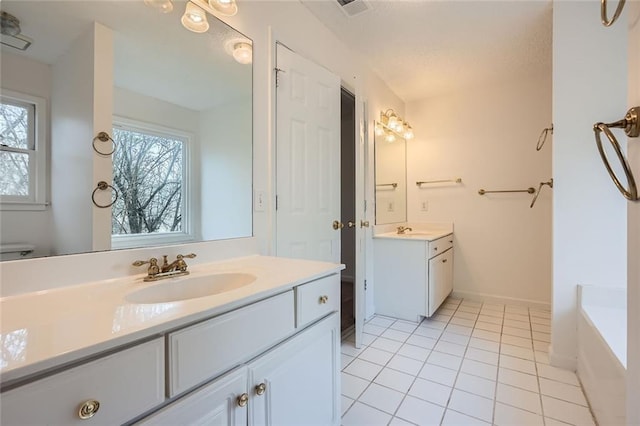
22, 151
150, 175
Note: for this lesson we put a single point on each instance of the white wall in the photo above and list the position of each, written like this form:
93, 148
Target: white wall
487, 136
589, 215
30, 77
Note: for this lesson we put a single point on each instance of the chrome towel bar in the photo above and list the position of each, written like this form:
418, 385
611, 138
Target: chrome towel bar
529, 190
535, 197
394, 185
456, 180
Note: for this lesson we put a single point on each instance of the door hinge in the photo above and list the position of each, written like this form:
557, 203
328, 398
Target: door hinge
365, 206
365, 285
278, 71
276, 202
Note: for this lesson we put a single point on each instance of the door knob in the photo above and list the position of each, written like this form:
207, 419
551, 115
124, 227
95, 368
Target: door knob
337, 225
351, 224
364, 224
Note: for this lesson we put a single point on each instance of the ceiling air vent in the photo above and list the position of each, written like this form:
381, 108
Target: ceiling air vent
353, 7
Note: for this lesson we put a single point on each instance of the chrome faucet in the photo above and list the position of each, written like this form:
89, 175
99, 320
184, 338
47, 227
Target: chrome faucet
403, 229
174, 269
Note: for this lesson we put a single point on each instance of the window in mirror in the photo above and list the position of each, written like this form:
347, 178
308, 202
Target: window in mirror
21, 151
150, 170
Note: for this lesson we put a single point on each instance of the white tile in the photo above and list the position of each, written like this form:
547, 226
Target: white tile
353, 386
346, 359
493, 307
506, 415
381, 321
557, 374
479, 369
543, 321
525, 325
468, 308
541, 337
542, 357
487, 326
567, 412
539, 314
518, 364
540, 346
420, 412
438, 325
363, 369
486, 314
345, 403
374, 329
458, 339
520, 398
423, 342
516, 317
459, 329
463, 322
415, 352
520, 380
486, 335
405, 326
515, 309
348, 348
466, 315
361, 414
444, 311
450, 348
406, 365
377, 356
553, 422
397, 421
395, 380
471, 405
563, 391
482, 356
445, 360
476, 385
400, 336
430, 391
517, 351
441, 317
517, 341
519, 332
382, 398
469, 302
428, 332
453, 418
438, 374
541, 328
367, 338
485, 345
386, 344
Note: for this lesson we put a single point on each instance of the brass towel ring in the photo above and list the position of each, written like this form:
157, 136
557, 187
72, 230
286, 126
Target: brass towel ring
543, 137
104, 137
631, 127
102, 186
603, 12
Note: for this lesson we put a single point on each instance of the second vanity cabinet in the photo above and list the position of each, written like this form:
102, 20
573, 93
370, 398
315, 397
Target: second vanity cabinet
272, 362
412, 276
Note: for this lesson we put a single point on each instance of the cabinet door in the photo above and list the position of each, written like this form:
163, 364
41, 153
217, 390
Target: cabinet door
216, 404
440, 280
300, 378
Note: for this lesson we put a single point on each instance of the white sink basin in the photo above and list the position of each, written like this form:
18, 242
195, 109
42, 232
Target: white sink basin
177, 289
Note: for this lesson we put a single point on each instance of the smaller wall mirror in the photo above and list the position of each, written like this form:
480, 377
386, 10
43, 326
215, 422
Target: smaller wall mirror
390, 176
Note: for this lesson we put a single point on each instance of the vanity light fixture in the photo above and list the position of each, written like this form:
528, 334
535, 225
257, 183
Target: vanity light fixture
195, 18
224, 7
392, 125
164, 6
243, 53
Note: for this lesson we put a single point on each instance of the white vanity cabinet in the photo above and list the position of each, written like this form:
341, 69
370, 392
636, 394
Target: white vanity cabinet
412, 276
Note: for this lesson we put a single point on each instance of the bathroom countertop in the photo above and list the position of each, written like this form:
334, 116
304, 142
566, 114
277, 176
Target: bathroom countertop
415, 235
47, 329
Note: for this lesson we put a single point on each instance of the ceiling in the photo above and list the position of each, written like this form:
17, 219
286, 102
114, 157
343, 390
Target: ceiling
424, 48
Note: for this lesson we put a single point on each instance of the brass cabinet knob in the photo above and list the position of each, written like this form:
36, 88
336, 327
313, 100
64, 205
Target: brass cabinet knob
324, 299
351, 224
261, 389
444, 260
337, 225
88, 409
364, 224
243, 400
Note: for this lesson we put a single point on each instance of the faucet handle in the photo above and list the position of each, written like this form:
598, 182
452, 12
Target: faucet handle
188, 256
144, 262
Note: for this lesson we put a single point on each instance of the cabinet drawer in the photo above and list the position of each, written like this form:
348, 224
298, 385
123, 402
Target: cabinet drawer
125, 384
317, 299
203, 351
440, 245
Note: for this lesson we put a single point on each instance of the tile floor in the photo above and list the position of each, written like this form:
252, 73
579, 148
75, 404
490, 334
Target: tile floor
470, 364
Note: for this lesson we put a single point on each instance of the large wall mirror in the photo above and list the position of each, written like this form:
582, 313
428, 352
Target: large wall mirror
177, 104
390, 177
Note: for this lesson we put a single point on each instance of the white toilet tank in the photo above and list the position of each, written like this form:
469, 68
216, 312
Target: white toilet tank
15, 251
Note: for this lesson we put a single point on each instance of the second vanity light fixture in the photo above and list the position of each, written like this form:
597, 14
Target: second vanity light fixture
391, 125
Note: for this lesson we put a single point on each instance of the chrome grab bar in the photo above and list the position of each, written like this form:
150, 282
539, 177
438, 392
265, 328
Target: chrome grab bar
631, 127
603, 12
529, 190
456, 180
543, 137
535, 197
394, 185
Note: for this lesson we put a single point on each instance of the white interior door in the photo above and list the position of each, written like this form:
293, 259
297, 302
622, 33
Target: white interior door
633, 226
361, 220
307, 159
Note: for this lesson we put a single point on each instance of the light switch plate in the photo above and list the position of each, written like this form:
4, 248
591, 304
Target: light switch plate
424, 206
258, 201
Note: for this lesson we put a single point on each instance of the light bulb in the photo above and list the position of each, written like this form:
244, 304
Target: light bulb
393, 122
390, 138
243, 53
379, 130
408, 133
164, 6
224, 7
195, 19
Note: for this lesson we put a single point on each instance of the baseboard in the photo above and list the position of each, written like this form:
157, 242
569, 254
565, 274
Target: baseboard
562, 361
489, 298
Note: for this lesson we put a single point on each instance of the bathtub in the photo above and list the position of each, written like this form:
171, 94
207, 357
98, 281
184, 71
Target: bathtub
602, 351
